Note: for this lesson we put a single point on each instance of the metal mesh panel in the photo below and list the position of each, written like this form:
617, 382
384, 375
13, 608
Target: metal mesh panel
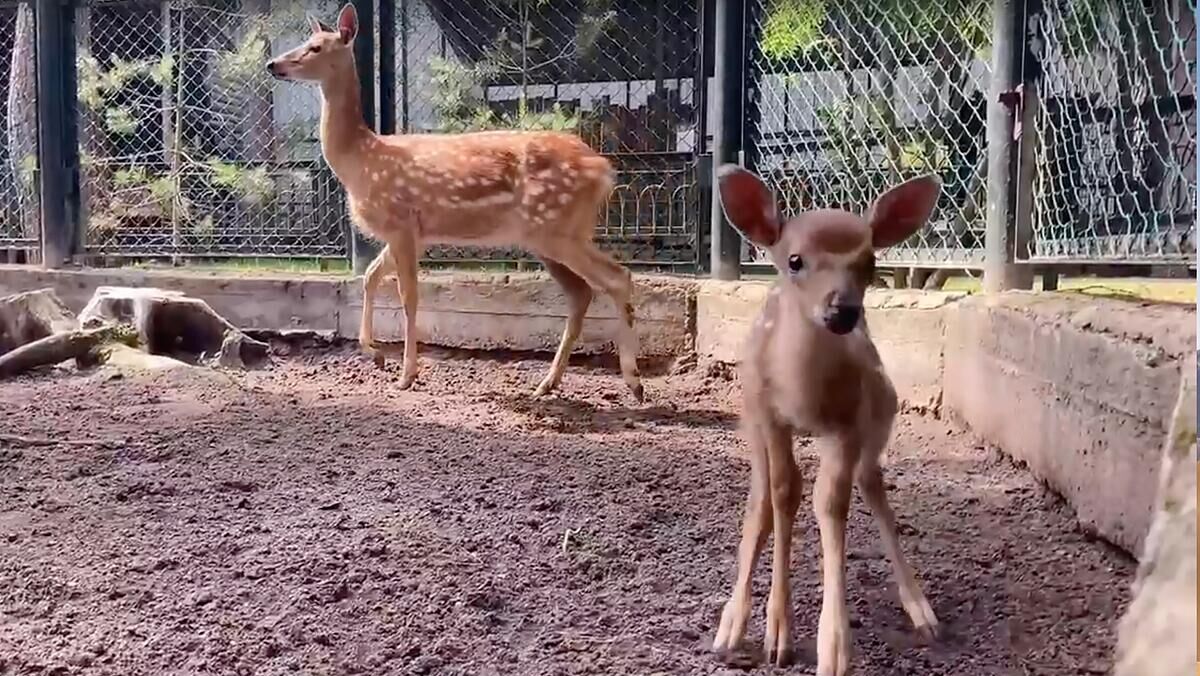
188, 147
20, 226
620, 74
1116, 132
848, 98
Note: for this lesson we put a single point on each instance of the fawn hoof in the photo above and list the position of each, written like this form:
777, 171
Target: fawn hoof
833, 648
639, 392
407, 380
734, 617
378, 358
546, 387
777, 646
928, 633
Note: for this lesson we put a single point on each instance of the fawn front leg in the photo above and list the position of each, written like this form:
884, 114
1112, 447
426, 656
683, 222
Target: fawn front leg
579, 298
785, 498
371, 281
756, 525
404, 258
831, 501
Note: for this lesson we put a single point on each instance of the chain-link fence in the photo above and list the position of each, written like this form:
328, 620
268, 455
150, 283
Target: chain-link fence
187, 146
848, 98
620, 74
19, 211
1116, 132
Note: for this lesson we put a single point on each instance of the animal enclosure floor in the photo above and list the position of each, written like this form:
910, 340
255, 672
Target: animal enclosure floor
312, 519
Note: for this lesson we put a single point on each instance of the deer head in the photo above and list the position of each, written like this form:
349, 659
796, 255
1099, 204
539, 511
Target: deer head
327, 53
826, 257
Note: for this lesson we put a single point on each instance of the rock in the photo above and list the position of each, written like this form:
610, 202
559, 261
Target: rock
32, 315
1157, 635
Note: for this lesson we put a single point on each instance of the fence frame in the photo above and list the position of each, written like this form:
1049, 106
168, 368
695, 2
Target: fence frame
724, 30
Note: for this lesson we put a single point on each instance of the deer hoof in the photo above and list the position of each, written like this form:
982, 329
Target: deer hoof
545, 388
639, 393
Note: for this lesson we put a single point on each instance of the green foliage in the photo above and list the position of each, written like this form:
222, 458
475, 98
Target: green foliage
251, 185
854, 126
521, 54
794, 29
243, 65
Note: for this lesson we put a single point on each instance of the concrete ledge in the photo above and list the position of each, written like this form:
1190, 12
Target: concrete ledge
1080, 389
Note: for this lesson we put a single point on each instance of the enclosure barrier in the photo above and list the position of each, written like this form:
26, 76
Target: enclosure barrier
1064, 131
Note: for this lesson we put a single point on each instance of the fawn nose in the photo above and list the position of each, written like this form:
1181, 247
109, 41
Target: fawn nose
273, 68
841, 319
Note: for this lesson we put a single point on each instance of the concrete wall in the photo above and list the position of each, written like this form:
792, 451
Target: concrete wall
1080, 388
477, 311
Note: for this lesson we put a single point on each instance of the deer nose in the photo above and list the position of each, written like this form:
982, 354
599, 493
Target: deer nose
841, 319
273, 68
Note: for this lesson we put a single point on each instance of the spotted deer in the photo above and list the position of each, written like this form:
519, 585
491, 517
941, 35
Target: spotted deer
809, 365
541, 191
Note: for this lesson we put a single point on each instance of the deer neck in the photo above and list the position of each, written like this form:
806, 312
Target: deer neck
343, 130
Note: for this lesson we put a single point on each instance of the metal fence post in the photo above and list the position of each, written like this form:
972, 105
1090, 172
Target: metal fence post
387, 66
728, 99
1007, 169
57, 151
363, 250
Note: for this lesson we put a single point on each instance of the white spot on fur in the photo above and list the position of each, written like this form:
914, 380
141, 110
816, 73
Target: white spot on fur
565, 198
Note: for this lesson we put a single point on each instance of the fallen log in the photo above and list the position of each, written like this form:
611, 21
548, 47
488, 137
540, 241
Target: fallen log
80, 345
32, 315
171, 324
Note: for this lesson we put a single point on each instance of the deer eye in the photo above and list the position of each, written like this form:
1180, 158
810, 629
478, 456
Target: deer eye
795, 263
315, 49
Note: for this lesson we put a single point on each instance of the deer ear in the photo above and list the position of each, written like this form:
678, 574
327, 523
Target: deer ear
903, 210
348, 23
749, 205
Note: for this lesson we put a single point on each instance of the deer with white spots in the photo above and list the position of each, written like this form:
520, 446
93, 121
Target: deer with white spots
541, 191
809, 364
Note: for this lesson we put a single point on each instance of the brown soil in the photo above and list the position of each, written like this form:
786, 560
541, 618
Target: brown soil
312, 519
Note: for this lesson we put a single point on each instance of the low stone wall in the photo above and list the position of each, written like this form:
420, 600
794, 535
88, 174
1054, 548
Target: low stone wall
1080, 388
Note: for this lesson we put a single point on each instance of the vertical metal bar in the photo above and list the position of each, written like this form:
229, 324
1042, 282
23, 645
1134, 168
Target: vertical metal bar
58, 232
363, 250
700, 83
387, 66
1000, 271
404, 119
728, 79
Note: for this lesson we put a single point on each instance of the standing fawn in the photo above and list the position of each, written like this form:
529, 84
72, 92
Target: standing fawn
809, 364
542, 191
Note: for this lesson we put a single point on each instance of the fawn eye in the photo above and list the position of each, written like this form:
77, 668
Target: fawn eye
795, 263
315, 49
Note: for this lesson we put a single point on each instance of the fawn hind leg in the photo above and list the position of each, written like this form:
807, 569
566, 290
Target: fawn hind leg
603, 272
785, 499
870, 482
579, 298
756, 526
403, 252
372, 278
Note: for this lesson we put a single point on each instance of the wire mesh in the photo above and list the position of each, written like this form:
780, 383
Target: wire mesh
849, 98
187, 146
20, 226
622, 75
1116, 131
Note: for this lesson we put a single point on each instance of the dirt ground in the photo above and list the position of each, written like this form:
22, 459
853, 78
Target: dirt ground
312, 519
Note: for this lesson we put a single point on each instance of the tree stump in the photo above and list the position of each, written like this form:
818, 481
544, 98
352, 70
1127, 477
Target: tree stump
171, 324
32, 315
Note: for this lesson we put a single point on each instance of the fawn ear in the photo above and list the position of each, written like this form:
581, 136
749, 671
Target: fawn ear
317, 26
903, 210
749, 205
348, 23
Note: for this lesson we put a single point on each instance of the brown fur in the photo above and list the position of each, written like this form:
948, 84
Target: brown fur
542, 191
798, 373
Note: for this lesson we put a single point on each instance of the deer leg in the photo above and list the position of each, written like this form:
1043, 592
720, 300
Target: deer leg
756, 525
831, 502
371, 281
603, 272
785, 499
870, 482
579, 297
404, 259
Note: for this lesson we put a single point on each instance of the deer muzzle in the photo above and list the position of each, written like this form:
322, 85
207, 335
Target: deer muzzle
841, 319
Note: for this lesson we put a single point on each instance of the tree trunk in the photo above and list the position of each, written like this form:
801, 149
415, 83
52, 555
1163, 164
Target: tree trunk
259, 105
22, 121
